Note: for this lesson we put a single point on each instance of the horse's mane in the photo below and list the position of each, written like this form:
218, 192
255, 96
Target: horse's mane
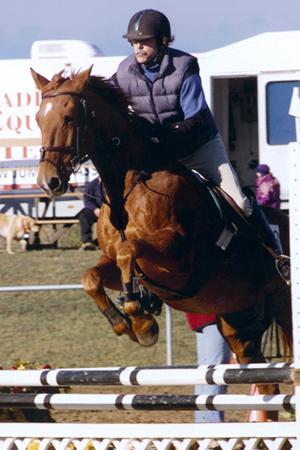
97, 84
116, 98
110, 93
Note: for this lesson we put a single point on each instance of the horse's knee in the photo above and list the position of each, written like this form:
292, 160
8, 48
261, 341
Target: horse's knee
91, 280
132, 308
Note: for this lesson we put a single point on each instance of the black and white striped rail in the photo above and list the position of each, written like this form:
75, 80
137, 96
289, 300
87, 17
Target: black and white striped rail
152, 376
148, 402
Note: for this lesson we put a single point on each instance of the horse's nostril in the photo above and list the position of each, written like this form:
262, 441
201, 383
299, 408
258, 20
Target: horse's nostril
53, 183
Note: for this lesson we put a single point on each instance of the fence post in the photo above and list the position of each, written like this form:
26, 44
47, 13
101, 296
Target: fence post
294, 213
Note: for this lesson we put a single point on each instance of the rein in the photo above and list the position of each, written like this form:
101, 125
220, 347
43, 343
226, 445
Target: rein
141, 178
77, 160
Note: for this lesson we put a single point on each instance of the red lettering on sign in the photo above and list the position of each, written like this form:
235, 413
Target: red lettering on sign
23, 99
7, 100
29, 121
14, 123
38, 98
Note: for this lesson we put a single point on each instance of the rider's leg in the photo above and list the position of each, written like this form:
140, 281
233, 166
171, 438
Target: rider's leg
211, 161
262, 227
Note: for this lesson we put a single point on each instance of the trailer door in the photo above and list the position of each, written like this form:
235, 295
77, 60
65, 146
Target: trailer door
276, 126
234, 103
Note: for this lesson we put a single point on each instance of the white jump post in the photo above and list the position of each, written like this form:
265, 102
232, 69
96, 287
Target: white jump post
294, 212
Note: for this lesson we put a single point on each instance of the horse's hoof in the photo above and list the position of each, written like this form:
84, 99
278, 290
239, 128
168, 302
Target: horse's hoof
132, 336
122, 328
150, 337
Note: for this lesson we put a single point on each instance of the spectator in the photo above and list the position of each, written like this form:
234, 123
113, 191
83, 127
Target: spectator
267, 187
92, 200
212, 349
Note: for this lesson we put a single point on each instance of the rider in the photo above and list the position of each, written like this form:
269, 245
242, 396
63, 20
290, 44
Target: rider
165, 89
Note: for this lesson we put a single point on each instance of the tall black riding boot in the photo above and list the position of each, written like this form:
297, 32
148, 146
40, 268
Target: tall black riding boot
263, 230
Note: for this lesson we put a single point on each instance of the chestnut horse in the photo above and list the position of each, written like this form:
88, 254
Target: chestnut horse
159, 224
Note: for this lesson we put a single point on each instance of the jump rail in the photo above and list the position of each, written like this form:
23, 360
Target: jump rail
271, 373
80, 436
101, 402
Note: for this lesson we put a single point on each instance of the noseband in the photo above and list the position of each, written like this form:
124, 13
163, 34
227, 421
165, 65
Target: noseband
77, 160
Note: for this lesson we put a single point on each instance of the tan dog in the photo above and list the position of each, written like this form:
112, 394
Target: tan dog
13, 227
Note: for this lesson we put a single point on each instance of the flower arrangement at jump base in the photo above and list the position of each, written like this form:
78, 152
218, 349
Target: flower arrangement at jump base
28, 415
33, 415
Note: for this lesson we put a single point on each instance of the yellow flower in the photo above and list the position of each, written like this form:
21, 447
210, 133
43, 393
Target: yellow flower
33, 445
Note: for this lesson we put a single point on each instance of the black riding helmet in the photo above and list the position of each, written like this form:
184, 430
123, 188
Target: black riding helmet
147, 24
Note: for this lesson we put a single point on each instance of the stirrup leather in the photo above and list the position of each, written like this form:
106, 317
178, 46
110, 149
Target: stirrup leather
283, 265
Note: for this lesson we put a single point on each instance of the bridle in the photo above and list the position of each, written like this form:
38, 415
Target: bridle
79, 157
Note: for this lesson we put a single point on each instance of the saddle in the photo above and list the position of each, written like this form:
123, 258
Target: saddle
257, 229
231, 216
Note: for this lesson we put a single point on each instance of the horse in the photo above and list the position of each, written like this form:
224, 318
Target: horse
159, 224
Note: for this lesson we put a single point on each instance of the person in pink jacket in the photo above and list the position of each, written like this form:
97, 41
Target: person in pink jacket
267, 187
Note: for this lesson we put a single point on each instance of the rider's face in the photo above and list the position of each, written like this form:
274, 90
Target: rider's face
145, 51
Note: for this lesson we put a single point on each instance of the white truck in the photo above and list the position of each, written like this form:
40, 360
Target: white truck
248, 85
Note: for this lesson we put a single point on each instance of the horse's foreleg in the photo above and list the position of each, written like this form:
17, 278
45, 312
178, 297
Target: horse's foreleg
244, 332
143, 324
105, 273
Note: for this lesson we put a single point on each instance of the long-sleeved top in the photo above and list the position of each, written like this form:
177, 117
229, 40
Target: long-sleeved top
191, 96
93, 197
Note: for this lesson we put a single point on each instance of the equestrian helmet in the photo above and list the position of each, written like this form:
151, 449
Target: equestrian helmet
147, 24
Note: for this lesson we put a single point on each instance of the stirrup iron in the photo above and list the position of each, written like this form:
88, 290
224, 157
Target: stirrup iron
282, 264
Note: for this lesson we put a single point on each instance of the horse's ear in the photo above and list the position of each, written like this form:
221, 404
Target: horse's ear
82, 77
39, 80
58, 76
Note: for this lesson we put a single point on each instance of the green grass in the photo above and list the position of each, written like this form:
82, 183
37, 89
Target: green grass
65, 328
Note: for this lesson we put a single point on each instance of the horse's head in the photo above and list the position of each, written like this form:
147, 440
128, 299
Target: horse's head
81, 117
62, 121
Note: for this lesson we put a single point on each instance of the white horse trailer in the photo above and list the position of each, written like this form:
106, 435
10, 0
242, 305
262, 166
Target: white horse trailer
247, 84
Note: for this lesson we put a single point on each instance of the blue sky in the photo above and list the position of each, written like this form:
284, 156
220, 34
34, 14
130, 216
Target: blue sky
197, 25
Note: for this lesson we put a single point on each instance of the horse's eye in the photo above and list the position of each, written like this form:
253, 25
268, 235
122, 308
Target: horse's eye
68, 119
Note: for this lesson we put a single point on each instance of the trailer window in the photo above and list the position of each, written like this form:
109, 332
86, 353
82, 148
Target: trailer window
280, 125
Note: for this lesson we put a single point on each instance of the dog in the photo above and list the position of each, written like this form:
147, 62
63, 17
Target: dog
18, 228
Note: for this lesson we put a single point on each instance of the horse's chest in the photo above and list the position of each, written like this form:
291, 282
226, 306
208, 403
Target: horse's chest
110, 238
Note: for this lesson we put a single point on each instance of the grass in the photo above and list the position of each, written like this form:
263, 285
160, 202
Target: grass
65, 328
